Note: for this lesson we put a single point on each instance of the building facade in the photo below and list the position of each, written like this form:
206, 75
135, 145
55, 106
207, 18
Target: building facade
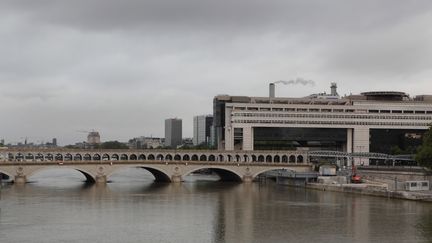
93, 138
146, 143
202, 129
370, 122
173, 132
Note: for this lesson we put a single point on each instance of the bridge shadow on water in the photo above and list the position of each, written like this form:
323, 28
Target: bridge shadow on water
126, 181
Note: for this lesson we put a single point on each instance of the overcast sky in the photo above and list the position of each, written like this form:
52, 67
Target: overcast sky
122, 67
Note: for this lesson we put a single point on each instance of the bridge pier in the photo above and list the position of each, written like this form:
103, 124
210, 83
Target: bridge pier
247, 179
101, 179
20, 179
176, 179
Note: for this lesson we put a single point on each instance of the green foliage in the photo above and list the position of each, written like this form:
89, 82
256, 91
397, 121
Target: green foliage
396, 150
113, 145
201, 146
70, 146
424, 154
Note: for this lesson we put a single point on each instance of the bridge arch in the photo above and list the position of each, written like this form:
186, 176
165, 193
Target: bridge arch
142, 157
90, 178
39, 157
257, 173
124, 157
105, 157
225, 174
159, 174
151, 157
186, 157
8, 173
276, 159
59, 157
29, 156
68, 157
133, 157
96, 157
212, 157
177, 157
300, 159
87, 157
203, 157
19, 156
292, 159
268, 158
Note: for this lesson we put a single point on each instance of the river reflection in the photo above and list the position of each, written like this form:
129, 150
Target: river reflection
133, 209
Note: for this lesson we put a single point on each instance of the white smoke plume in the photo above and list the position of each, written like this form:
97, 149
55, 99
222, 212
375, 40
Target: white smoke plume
297, 81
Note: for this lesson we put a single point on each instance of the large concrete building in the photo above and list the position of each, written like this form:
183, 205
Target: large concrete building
369, 122
173, 132
202, 129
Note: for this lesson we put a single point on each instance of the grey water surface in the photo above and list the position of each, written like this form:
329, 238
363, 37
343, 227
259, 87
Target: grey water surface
56, 206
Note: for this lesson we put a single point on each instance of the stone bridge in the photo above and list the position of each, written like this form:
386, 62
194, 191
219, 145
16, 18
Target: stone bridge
165, 165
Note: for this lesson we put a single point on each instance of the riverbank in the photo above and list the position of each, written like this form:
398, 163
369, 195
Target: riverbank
372, 190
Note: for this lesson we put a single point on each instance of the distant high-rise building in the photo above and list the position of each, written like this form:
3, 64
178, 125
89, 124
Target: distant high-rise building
93, 138
54, 142
173, 132
202, 129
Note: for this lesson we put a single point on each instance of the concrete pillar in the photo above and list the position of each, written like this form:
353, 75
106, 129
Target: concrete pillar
349, 140
229, 138
361, 144
229, 130
101, 179
176, 179
248, 138
247, 179
20, 179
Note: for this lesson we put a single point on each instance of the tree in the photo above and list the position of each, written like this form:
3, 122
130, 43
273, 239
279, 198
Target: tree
396, 150
424, 154
113, 145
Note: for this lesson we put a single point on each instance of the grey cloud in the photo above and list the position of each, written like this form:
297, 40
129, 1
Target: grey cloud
123, 66
201, 14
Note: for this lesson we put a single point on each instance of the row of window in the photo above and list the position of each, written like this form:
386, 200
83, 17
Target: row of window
332, 116
326, 110
356, 123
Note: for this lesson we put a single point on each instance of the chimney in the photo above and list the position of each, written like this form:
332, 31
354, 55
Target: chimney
333, 88
272, 90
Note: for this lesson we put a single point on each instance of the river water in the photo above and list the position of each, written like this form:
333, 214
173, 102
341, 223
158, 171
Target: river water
58, 207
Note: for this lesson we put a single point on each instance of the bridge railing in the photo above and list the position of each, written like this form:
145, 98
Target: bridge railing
156, 155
